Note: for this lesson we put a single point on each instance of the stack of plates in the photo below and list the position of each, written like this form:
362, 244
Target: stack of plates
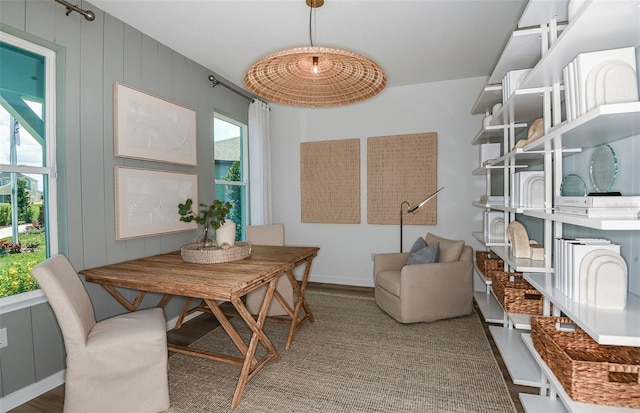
493, 226
600, 78
603, 280
528, 189
511, 81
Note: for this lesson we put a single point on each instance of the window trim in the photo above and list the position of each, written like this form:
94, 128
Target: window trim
245, 153
31, 298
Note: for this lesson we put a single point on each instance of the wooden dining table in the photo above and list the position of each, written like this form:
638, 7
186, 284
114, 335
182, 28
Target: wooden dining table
169, 275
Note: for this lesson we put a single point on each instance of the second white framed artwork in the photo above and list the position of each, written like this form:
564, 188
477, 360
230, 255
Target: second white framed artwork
147, 201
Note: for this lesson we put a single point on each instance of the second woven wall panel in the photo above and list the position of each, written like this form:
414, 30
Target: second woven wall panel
401, 168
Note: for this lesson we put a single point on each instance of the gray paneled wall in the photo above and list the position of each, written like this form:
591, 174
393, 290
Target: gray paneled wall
94, 55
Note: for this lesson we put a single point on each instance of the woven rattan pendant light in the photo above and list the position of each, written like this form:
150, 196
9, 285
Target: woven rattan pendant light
315, 76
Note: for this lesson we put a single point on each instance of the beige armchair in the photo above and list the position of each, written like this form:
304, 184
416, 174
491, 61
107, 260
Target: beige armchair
115, 365
426, 292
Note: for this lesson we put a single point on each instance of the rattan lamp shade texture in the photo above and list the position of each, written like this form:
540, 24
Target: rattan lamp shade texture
342, 77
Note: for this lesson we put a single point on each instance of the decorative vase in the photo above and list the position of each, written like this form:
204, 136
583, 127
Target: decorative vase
205, 238
226, 233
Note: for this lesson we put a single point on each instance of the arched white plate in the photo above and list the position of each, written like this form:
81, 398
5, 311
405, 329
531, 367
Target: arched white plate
618, 84
497, 229
590, 89
610, 286
533, 192
594, 273
585, 264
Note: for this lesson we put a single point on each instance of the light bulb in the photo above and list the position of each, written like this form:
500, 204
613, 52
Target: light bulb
315, 64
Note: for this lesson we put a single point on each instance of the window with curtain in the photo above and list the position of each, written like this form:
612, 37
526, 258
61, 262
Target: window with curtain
231, 168
27, 160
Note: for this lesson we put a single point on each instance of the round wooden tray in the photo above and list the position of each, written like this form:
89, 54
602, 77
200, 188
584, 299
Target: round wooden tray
213, 255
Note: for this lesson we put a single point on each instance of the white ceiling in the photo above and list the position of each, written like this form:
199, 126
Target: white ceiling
417, 41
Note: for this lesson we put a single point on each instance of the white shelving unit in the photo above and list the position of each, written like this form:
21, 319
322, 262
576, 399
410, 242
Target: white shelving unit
520, 264
595, 223
480, 237
544, 43
489, 307
541, 404
520, 363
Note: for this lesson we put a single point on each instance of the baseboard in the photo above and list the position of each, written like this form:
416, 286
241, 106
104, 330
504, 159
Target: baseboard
19, 397
332, 279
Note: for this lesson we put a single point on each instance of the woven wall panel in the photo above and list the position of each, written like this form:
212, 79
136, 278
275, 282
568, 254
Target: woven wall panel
402, 168
330, 181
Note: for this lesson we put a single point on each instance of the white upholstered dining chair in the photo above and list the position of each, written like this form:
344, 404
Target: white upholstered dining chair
269, 235
114, 365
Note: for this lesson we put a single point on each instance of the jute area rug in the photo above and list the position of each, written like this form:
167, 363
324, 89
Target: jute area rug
353, 358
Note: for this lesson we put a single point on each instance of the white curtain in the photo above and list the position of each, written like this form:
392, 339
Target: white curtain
259, 163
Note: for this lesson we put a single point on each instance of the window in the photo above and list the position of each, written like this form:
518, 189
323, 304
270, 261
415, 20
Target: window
231, 168
27, 164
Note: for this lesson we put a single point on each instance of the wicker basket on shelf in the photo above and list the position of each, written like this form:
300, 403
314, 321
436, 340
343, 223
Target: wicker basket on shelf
589, 372
210, 255
487, 262
515, 294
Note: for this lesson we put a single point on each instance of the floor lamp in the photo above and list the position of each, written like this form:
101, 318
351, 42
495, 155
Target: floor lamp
413, 209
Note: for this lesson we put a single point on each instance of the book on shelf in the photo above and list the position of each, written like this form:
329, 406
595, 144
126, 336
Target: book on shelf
599, 212
599, 201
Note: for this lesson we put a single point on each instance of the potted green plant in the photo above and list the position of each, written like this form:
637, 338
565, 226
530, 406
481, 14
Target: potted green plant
212, 216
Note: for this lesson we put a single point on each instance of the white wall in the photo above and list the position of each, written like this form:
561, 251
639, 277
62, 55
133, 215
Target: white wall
345, 255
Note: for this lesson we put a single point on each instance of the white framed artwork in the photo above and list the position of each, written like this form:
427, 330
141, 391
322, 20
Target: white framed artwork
147, 201
151, 128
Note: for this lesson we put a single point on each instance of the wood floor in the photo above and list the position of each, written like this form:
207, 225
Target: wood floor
51, 402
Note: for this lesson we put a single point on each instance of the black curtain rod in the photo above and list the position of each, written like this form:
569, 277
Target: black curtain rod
216, 82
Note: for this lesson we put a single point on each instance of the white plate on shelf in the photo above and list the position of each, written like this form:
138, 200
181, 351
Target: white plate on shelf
618, 84
605, 274
585, 265
613, 81
496, 229
591, 89
533, 192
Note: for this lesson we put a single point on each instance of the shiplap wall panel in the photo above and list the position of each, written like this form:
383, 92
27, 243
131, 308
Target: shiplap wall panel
18, 369
13, 13
132, 76
113, 71
48, 344
92, 156
70, 208
39, 21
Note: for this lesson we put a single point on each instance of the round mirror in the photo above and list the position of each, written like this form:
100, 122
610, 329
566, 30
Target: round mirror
603, 168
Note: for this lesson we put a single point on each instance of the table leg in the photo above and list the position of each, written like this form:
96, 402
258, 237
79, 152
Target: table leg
224, 322
183, 313
300, 303
257, 336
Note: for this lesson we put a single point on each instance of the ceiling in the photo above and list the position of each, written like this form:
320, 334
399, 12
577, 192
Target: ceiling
414, 42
